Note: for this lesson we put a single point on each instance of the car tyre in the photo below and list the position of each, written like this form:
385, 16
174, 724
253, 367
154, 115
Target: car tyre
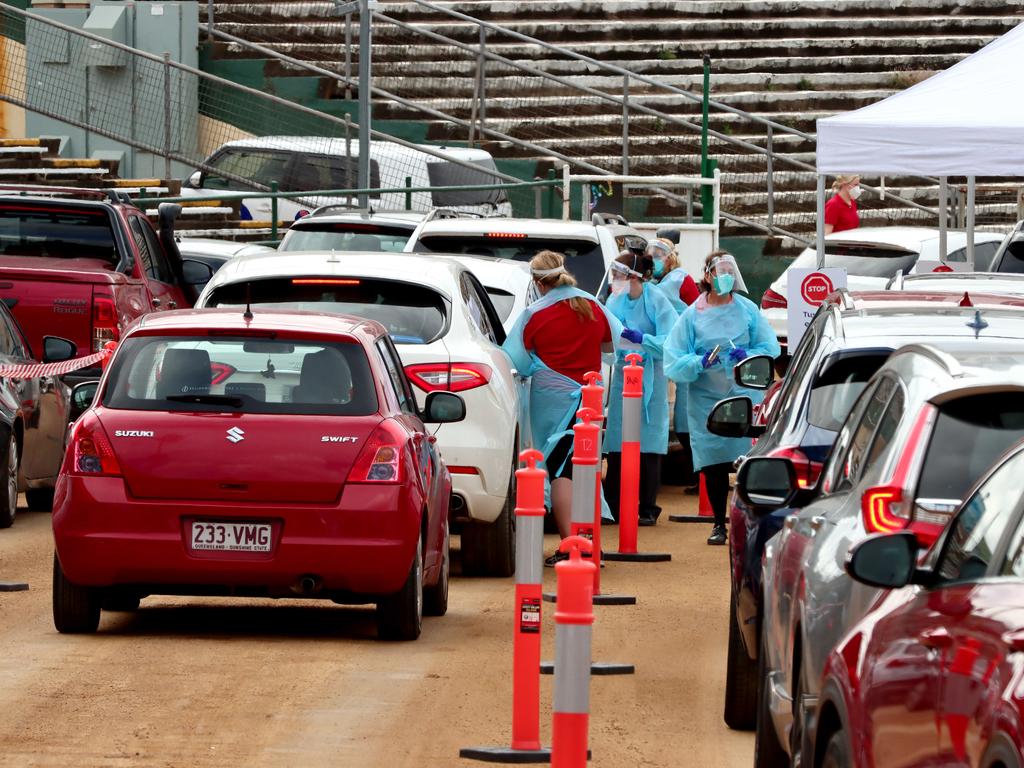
9, 500
435, 598
740, 680
39, 499
768, 753
837, 753
76, 609
489, 549
400, 616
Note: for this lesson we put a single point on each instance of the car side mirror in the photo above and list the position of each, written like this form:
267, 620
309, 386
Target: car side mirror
733, 417
443, 408
57, 350
194, 180
884, 560
82, 397
767, 483
756, 372
196, 272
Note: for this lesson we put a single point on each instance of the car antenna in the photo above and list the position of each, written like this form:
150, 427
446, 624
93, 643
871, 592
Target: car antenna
247, 315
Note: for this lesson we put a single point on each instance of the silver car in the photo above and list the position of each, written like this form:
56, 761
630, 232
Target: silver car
926, 427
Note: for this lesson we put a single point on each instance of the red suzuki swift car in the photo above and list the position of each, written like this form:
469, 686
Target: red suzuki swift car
280, 455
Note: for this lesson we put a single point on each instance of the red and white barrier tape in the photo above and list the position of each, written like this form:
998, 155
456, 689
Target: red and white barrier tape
35, 370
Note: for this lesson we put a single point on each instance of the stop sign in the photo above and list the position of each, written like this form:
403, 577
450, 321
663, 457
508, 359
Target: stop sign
815, 288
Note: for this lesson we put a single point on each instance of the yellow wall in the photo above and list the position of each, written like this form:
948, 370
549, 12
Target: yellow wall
12, 78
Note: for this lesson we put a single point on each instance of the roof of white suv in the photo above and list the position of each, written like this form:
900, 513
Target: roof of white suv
548, 228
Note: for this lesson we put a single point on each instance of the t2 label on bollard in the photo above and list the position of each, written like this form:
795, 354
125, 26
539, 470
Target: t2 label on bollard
529, 615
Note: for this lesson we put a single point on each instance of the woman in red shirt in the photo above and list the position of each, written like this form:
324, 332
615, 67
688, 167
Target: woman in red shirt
841, 209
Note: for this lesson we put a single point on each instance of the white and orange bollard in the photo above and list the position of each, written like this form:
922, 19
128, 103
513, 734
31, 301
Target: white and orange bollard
705, 513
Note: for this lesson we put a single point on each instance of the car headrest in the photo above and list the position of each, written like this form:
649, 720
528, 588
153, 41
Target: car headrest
364, 243
325, 378
185, 372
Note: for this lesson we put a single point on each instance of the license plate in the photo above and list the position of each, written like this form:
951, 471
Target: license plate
231, 537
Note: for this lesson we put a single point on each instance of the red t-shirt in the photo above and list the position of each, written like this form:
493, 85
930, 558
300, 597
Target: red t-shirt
840, 215
688, 290
566, 342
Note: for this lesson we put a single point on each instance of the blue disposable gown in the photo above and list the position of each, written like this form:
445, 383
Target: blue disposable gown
699, 329
652, 315
670, 285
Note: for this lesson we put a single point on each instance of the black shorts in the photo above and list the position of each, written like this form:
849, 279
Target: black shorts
561, 454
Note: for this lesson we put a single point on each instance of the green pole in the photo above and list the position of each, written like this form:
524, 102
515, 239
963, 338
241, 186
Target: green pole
408, 195
273, 211
550, 212
706, 164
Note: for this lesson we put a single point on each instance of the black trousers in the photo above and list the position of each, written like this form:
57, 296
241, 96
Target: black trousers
688, 476
716, 479
650, 484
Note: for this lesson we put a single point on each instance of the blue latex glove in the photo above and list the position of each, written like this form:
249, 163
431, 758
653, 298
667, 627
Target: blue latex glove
706, 362
738, 353
634, 336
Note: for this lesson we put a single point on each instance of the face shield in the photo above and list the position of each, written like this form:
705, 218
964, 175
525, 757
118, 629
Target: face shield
658, 251
619, 276
725, 276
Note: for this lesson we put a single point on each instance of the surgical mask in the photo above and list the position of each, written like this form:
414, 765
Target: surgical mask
619, 287
659, 267
723, 284
856, 192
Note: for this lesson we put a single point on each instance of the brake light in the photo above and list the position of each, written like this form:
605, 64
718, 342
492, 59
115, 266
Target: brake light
883, 509
445, 377
324, 281
221, 372
104, 323
507, 235
773, 300
91, 452
807, 471
380, 460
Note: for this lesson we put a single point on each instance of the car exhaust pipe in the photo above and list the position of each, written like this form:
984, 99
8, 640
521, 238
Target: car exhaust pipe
307, 585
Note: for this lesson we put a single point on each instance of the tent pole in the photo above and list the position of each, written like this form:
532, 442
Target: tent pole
943, 199
819, 246
970, 223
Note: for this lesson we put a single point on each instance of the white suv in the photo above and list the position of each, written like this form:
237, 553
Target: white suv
448, 336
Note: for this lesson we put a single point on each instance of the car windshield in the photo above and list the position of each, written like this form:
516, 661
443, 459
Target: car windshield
837, 388
583, 258
241, 375
1012, 259
57, 233
412, 314
345, 236
861, 259
970, 434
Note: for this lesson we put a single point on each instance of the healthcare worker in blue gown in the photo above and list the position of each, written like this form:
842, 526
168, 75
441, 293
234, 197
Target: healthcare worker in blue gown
556, 341
681, 291
719, 320
647, 317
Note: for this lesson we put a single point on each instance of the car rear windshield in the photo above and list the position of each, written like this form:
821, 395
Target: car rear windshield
57, 233
338, 236
1012, 259
583, 258
444, 174
969, 435
837, 388
413, 314
241, 375
862, 260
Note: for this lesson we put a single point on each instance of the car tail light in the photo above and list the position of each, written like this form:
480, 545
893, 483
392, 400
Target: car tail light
91, 452
104, 323
456, 469
221, 372
807, 471
888, 507
773, 300
445, 377
380, 461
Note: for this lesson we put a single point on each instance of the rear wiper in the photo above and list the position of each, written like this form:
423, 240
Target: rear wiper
229, 400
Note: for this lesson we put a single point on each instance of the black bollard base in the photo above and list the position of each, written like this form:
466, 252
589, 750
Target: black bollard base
602, 599
690, 519
506, 755
13, 586
638, 557
597, 668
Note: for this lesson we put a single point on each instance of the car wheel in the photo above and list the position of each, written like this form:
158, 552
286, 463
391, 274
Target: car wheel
740, 680
435, 598
837, 753
9, 501
489, 549
39, 499
400, 616
768, 753
76, 609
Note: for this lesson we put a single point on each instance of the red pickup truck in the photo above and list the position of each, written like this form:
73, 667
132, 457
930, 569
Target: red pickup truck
83, 269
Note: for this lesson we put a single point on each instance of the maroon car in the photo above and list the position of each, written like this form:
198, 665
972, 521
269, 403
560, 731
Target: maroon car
934, 674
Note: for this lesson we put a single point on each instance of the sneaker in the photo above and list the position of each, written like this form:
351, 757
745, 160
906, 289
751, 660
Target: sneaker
647, 521
693, 490
717, 535
555, 558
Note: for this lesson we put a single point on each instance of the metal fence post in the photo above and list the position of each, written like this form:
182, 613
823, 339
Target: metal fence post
551, 195
408, 195
167, 115
538, 211
482, 112
625, 125
771, 179
209, 19
365, 116
348, 54
273, 210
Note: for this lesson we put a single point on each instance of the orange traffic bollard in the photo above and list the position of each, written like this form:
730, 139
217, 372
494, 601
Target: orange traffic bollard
110, 347
705, 513
629, 488
526, 747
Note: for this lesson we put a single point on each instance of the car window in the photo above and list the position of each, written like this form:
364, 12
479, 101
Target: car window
345, 236
445, 174
974, 535
412, 314
403, 394
1012, 259
832, 475
970, 434
861, 260
261, 166
792, 385
8, 345
503, 302
243, 375
323, 172
477, 308
53, 232
983, 253
19, 345
887, 427
837, 387
153, 263
860, 438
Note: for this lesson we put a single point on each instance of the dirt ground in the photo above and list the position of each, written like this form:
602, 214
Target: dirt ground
212, 682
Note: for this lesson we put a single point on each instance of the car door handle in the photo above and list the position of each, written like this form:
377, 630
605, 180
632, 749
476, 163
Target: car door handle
1014, 640
432, 439
937, 639
172, 304
156, 303
817, 521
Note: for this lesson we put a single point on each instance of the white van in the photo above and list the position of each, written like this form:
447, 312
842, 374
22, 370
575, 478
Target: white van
306, 163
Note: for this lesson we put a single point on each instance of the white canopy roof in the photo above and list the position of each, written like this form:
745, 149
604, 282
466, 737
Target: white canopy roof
965, 121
